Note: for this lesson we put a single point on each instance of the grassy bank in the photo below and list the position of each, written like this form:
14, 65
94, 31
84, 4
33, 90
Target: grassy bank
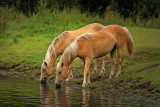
24, 41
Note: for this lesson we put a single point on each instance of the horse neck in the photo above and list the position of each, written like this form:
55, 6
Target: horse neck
67, 64
50, 59
60, 46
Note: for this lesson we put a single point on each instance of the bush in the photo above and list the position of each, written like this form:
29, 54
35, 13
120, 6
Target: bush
48, 22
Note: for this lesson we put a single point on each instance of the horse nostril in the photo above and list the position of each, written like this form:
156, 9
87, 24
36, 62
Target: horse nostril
58, 86
43, 81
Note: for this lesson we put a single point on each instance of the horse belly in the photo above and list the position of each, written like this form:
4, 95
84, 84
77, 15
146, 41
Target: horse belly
103, 49
101, 53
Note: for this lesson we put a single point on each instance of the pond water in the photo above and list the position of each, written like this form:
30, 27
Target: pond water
29, 93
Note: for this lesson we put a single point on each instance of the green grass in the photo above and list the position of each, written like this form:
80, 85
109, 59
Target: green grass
145, 37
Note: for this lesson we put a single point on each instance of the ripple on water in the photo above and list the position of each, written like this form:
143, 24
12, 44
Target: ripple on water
19, 92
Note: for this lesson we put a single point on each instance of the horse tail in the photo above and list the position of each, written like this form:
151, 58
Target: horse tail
129, 44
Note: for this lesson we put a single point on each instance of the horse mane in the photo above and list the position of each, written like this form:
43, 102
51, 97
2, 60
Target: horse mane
51, 51
72, 50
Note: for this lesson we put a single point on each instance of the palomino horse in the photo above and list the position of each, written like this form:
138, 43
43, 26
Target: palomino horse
94, 45
59, 44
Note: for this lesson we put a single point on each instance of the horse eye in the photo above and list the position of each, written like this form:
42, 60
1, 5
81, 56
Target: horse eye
44, 70
60, 72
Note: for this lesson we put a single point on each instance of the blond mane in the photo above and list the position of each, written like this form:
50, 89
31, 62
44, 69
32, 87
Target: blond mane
51, 51
72, 50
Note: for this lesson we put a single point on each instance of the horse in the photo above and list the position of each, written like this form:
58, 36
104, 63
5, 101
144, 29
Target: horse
89, 46
59, 44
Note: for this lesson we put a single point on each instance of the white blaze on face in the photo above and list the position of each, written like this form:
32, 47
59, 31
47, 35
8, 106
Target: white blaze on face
58, 67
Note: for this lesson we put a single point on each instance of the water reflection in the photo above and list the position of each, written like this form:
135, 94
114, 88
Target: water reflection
63, 99
46, 98
69, 96
60, 99
91, 98
85, 97
28, 93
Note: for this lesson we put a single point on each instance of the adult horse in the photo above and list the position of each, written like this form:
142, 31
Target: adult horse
94, 45
59, 44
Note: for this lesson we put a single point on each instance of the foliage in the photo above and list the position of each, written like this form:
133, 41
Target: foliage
126, 8
143, 8
46, 19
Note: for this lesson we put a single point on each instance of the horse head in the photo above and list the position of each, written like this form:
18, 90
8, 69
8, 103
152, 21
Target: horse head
46, 72
62, 73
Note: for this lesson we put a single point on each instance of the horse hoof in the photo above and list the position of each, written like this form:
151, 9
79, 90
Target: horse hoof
92, 73
71, 76
110, 77
88, 83
67, 80
117, 75
101, 73
84, 85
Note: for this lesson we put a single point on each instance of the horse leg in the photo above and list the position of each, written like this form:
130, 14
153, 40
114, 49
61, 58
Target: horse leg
95, 67
103, 65
113, 57
88, 77
120, 55
87, 65
70, 76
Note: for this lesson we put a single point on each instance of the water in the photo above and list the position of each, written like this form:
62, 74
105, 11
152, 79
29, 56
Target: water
29, 93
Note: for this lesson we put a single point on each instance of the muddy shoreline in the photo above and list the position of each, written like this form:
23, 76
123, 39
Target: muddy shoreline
111, 86
22, 75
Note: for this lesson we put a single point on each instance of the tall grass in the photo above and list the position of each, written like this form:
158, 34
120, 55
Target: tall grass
14, 23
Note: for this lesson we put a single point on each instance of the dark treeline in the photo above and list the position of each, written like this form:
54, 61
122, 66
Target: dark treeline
145, 9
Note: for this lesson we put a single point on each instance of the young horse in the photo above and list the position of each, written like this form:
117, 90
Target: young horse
94, 45
59, 44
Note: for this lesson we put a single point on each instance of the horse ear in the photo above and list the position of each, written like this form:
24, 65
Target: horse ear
45, 62
62, 64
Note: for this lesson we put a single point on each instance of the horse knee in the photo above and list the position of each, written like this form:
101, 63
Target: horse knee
114, 61
120, 61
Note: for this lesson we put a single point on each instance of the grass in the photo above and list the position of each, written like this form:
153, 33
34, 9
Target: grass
24, 42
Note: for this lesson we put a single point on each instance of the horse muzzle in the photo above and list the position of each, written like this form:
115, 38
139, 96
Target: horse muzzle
58, 84
44, 80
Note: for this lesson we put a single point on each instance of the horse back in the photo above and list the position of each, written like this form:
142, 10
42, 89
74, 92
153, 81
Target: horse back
96, 44
91, 28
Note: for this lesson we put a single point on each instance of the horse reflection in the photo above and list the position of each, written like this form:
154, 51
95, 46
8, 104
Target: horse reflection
63, 99
85, 97
46, 97
109, 100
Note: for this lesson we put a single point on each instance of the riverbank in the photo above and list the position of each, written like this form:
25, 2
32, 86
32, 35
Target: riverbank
140, 75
